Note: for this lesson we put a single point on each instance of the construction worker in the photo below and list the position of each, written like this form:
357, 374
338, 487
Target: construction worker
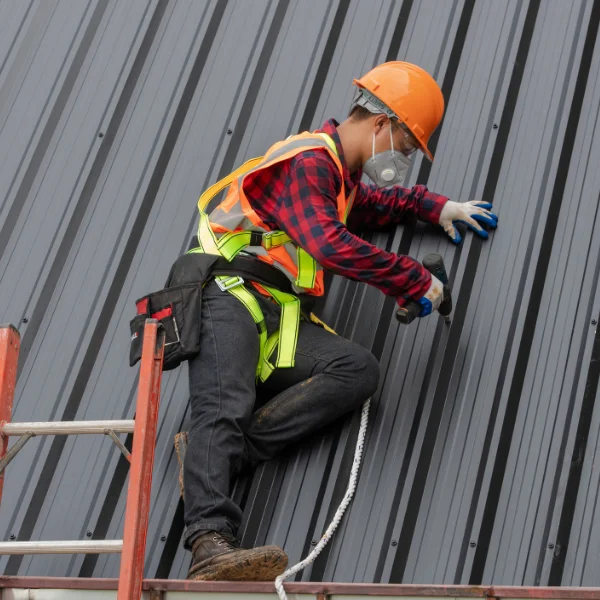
267, 376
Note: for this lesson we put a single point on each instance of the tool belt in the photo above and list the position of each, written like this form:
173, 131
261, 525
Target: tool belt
178, 307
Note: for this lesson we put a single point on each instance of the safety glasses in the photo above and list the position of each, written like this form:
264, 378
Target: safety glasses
409, 142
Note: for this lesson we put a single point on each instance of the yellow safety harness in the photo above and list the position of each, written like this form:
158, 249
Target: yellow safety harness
229, 245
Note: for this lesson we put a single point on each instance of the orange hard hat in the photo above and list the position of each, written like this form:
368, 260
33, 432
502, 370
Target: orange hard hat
408, 93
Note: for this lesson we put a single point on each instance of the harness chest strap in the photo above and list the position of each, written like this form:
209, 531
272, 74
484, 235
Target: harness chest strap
230, 244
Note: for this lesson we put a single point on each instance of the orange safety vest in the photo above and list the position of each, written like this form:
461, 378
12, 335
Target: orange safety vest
235, 215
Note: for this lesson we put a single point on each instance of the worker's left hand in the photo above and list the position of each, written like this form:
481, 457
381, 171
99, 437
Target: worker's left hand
473, 214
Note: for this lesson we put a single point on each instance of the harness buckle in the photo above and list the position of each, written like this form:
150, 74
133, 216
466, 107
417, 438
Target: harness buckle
267, 240
256, 238
229, 283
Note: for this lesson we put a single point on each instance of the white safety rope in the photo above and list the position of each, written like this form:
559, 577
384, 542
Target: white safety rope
362, 432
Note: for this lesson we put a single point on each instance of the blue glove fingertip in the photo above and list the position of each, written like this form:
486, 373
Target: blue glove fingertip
427, 307
492, 215
486, 220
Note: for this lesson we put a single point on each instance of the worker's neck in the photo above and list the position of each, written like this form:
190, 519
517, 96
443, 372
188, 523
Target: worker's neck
352, 138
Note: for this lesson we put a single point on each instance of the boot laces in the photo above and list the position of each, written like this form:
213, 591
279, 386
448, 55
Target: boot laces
227, 541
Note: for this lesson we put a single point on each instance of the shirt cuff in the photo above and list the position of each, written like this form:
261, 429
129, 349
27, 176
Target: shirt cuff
431, 207
417, 290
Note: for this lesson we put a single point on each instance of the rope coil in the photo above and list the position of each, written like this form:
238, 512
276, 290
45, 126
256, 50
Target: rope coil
362, 432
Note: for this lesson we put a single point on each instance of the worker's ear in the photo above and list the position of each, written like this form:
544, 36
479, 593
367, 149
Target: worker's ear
380, 122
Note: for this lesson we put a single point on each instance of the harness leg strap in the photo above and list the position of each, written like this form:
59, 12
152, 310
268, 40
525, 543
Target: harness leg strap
250, 302
286, 338
289, 323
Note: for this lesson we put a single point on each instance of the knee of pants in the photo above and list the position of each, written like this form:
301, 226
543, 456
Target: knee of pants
364, 370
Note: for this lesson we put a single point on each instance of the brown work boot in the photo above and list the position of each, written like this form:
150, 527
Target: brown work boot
218, 557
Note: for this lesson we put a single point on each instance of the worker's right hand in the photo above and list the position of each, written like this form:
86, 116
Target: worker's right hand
433, 297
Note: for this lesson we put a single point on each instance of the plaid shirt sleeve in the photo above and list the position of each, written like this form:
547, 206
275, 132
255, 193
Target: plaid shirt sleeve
377, 208
307, 211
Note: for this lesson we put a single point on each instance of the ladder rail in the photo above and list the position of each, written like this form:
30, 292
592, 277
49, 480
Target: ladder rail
137, 510
10, 343
143, 427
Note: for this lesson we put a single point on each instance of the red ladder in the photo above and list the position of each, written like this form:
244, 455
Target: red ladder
133, 545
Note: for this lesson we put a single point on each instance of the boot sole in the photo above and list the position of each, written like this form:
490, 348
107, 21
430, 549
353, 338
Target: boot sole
260, 565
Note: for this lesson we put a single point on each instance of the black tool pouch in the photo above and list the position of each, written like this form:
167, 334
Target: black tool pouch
178, 308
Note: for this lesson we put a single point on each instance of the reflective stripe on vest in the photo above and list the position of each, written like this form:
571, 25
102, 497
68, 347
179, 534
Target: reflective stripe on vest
233, 226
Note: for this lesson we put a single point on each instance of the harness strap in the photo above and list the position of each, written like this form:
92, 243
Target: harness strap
288, 326
230, 245
307, 269
287, 335
234, 285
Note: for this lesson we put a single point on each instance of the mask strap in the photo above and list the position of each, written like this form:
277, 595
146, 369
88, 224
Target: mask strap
391, 138
373, 149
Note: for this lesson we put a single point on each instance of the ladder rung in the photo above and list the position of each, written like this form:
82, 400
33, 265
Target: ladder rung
76, 547
68, 427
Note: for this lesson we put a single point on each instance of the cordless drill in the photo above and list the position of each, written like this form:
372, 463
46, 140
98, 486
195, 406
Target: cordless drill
434, 263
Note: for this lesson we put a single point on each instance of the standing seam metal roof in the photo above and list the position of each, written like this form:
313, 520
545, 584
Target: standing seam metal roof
479, 466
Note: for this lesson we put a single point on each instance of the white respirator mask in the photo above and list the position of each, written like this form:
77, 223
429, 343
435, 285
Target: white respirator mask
387, 168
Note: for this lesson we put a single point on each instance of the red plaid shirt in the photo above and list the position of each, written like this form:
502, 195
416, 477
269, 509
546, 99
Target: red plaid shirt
299, 196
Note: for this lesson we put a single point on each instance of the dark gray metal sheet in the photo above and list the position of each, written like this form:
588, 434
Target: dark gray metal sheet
481, 452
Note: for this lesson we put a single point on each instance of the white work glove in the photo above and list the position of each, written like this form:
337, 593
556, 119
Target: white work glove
433, 297
472, 214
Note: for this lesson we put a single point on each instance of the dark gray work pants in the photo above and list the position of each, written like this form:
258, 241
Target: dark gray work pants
331, 377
